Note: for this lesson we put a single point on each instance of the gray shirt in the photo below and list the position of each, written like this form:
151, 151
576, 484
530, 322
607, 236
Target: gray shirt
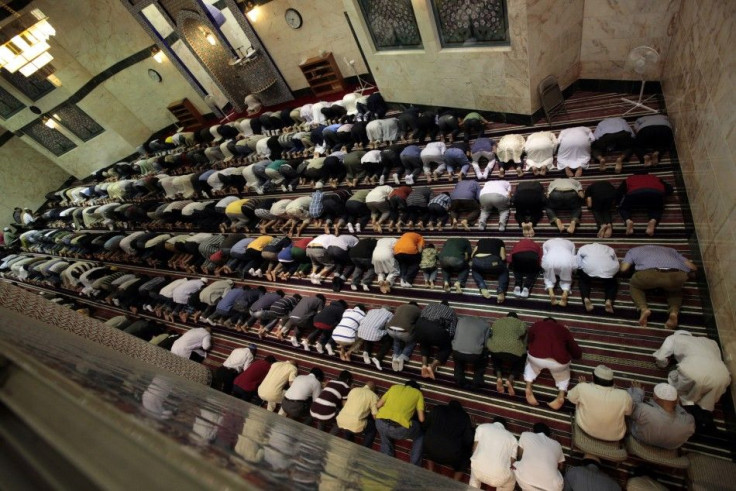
651, 424
589, 478
471, 334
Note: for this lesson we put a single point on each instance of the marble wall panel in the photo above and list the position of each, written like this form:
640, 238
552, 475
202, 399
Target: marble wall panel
611, 28
18, 161
495, 79
324, 28
697, 81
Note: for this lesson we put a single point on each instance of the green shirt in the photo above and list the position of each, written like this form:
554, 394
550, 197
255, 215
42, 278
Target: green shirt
456, 247
508, 335
401, 402
472, 115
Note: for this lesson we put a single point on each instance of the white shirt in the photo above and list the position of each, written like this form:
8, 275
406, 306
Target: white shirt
510, 148
198, 340
434, 148
538, 464
372, 156
558, 253
574, 149
598, 260
182, 292
498, 187
378, 194
239, 359
540, 149
303, 387
496, 447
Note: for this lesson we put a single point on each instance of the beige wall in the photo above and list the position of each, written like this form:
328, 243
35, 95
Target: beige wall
25, 178
611, 28
473, 78
698, 89
552, 49
324, 28
91, 37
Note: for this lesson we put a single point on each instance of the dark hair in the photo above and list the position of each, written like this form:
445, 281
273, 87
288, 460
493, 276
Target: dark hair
541, 428
321, 297
429, 246
343, 302
297, 296
512, 314
599, 381
262, 288
246, 287
414, 302
360, 306
550, 319
455, 404
345, 376
413, 383
270, 359
445, 302
500, 419
318, 373
280, 293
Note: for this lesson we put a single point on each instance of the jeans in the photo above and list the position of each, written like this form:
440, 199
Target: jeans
479, 363
485, 265
402, 337
364, 272
369, 433
457, 265
389, 431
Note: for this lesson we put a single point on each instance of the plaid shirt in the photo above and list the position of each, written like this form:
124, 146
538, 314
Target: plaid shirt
443, 200
442, 314
316, 207
373, 325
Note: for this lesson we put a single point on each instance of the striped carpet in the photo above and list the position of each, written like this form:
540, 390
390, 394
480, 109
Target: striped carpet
614, 339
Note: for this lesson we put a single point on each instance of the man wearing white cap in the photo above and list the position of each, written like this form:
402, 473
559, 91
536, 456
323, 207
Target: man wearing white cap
701, 377
601, 409
660, 421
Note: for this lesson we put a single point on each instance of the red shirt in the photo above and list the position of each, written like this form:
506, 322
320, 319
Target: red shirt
302, 243
526, 245
644, 181
252, 377
402, 192
550, 339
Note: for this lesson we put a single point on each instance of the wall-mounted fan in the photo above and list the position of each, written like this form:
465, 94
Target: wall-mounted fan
644, 62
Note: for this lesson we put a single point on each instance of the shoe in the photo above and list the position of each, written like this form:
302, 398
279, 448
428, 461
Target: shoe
517, 291
446, 286
381, 181
525, 292
409, 179
400, 362
485, 293
283, 188
259, 273
252, 272
294, 342
320, 349
377, 363
395, 365
366, 288
366, 358
330, 351
396, 179
407, 284
351, 229
357, 227
458, 287
305, 344
354, 287
501, 227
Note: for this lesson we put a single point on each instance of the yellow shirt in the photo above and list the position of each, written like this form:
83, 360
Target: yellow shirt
234, 208
601, 411
401, 402
260, 242
272, 387
361, 403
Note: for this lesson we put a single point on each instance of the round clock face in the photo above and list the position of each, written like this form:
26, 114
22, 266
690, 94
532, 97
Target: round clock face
154, 75
293, 18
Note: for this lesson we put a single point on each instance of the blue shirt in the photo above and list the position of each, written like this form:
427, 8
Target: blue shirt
316, 208
455, 155
441, 199
333, 127
466, 190
655, 257
653, 120
227, 302
411, 151
241, 246
482, 145
612, 125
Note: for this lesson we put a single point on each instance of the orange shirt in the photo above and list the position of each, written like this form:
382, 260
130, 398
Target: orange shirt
409, 243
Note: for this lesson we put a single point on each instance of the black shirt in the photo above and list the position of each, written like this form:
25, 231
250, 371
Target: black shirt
489, 246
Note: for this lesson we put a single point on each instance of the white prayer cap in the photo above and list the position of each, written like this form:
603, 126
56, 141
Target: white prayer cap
350, 102
665, 392
215, 134
603, 372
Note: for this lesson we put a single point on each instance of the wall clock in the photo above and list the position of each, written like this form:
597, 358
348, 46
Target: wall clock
154, 75
293, 18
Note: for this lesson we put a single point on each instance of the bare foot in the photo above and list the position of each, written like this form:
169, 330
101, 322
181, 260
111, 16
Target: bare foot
588, 304
603, 165
560, 225
619, 166
650, 227
500, 298
552, 298
571, 227
510, 386
609, 307
671, 321
609, 231
531, 399
563, 299
629, 227
499, 385
425, 370
557, 403
644, 317
655, 158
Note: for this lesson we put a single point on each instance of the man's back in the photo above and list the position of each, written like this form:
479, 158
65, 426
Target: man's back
496, 446
401, 403
601, 411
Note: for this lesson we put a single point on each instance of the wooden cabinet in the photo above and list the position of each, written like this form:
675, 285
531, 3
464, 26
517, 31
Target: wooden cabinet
323, 75
186, 114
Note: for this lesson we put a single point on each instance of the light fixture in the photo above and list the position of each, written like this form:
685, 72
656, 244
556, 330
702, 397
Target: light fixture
254, 13
54, 80
211, 39
25, 48
158, 55
50, 123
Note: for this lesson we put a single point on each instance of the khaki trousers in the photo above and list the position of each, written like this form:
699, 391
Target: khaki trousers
670, 281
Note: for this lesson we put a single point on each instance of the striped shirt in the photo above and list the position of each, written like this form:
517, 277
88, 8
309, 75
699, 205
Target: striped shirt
655, 257
373, 325
419, 196
283, 306
347, 330
326, 405
442, 314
